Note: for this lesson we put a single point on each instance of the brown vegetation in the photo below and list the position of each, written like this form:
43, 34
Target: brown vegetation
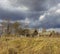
28, 45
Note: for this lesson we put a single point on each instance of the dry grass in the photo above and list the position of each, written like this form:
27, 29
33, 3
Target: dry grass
26, 45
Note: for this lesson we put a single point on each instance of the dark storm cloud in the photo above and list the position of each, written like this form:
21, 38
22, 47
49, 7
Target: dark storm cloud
33, 5
34, 15
5, 14
31, 9
53, 2
54, 22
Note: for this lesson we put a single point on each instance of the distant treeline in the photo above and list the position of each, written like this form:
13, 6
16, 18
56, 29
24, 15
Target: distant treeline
16, 28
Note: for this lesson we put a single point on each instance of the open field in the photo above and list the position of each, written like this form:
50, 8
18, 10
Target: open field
26, 45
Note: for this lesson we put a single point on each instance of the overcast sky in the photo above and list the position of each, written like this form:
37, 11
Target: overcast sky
36, 13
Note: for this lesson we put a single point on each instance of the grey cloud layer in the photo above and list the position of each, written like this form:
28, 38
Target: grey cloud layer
33, 5
31, 9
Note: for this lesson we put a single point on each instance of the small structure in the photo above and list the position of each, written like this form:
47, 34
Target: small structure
48, 34
45, 33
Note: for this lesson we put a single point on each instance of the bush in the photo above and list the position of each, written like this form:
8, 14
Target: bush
35, 33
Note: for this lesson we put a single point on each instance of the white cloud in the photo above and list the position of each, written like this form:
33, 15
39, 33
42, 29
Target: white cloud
6, 4
58, 11
42, 17
1, 20
21, 8
52, 11
27, 21
58, 4
51, 18
6, 21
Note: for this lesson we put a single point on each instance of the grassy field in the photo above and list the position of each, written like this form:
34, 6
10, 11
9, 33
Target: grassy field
26, 45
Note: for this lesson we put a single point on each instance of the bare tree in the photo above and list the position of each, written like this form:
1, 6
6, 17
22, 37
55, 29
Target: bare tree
26, 32
2, 27
16, 27
8, 26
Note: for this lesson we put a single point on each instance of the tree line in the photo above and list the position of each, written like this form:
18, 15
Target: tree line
16, 29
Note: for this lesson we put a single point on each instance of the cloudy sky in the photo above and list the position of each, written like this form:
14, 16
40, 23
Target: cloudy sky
36, 13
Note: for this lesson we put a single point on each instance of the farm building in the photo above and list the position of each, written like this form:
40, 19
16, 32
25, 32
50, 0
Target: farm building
45, 34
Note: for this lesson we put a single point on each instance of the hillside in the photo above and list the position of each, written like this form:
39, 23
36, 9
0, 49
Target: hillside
26, 45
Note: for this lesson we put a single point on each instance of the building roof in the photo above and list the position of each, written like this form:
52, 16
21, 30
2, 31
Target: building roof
45, 33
